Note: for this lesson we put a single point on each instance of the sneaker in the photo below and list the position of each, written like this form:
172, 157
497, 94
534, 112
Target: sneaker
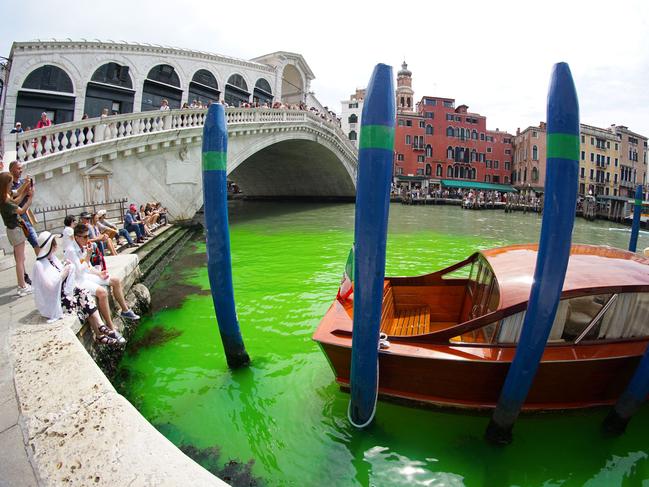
24, 291
27, 279
129, 315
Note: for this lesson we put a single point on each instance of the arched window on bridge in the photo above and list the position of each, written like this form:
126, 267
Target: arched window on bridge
429, 151
352, 135
429, 130
262, 92
203, 87
236, 91
353, 118
109, 87
449, 131
162, 82
535, 174
438, 171
449, 152
429, 170
47, 89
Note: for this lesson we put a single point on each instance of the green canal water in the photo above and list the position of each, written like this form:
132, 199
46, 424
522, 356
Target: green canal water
285, 413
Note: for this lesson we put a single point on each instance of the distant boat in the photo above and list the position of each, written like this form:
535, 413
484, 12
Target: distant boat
452, 334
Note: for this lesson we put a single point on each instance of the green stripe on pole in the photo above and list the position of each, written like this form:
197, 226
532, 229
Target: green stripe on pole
215, 161
638, 202
377, 137
563, 146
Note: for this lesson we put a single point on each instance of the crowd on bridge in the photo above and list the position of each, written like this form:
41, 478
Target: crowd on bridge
80, 284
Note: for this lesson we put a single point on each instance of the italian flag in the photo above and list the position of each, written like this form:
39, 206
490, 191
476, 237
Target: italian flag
347, 282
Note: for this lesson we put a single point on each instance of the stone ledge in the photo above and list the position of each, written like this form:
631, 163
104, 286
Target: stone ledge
77, 428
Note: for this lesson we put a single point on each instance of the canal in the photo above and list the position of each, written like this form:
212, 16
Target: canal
283, 419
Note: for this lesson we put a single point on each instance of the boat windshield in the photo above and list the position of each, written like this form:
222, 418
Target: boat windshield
482, 289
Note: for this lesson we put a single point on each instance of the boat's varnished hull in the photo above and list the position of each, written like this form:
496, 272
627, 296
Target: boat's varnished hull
476, 384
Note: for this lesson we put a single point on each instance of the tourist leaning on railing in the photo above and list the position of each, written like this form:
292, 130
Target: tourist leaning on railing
56, 293
11, 212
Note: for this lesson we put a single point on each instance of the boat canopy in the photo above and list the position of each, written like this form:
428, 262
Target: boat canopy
503, 188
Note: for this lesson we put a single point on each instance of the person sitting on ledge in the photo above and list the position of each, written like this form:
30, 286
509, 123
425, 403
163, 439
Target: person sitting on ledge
132, 225
56, 294
97, 281
111, 230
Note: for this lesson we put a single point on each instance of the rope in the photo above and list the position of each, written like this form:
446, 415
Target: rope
383, 343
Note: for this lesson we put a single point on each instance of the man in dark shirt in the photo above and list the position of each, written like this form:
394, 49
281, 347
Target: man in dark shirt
18, 128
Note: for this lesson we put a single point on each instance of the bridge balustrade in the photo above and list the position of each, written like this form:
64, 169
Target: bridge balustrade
66, 136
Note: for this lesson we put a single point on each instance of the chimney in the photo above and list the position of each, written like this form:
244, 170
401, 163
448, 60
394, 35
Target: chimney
542, 125
518, 131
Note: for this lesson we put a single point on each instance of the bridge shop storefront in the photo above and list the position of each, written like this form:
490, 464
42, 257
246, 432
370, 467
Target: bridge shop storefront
236, 91
203, 87
110, 87
47, 89
162, 82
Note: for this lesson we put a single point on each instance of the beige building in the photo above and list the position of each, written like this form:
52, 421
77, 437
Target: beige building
612, 161
632, 168
528, 169
598, 161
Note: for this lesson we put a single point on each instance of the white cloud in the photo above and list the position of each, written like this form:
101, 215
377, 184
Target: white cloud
495, 57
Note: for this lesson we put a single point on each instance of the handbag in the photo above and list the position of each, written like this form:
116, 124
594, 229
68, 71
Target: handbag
111, 232
23, 226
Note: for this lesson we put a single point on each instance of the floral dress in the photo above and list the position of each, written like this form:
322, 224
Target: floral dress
81, 301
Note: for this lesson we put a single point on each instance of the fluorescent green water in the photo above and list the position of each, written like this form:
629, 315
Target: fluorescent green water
286, 412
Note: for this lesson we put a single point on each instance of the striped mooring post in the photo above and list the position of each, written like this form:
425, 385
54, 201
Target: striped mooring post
219, 262
553, 253
637, 212
376, 149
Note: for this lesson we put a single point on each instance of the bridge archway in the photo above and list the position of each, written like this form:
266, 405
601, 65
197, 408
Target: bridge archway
47, 89
299, 167
293, 89
109, 87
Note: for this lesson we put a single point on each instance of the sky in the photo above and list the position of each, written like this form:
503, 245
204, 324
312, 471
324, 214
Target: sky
496, 57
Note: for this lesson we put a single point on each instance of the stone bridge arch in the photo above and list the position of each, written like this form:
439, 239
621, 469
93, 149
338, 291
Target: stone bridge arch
292, 165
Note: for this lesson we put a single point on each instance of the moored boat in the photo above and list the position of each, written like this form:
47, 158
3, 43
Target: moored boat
452, 334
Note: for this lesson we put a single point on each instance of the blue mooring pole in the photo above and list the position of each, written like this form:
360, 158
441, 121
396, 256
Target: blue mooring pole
553, 253
219, 264
630, 401
376, 149
637, 211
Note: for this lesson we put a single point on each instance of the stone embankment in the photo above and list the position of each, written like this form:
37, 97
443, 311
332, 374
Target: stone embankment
61, 420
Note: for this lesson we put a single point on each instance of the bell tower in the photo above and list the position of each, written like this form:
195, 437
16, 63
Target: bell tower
405, 95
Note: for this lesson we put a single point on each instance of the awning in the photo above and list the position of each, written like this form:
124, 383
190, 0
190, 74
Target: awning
401, 177
503, 188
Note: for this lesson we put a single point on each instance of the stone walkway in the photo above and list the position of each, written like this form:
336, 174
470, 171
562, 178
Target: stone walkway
15, 467
61, 420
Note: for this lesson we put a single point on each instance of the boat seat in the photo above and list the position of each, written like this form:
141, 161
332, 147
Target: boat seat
408, 321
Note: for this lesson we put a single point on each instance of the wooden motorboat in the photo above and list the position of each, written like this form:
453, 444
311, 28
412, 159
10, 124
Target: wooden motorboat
452, 334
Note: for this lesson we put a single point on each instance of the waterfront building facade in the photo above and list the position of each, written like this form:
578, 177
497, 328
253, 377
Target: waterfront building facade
437, 140
528, 168
350, 117
633, 160
612, 161
67, 79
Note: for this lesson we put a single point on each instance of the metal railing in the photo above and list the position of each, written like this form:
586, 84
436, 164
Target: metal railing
51, 218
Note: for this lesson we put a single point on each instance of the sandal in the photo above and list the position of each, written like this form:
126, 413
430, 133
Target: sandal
106, 340
103, 329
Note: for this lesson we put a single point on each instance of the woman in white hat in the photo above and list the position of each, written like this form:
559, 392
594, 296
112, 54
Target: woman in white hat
56, 294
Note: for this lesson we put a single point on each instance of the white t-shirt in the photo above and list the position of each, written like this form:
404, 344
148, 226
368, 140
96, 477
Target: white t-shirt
68, 237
